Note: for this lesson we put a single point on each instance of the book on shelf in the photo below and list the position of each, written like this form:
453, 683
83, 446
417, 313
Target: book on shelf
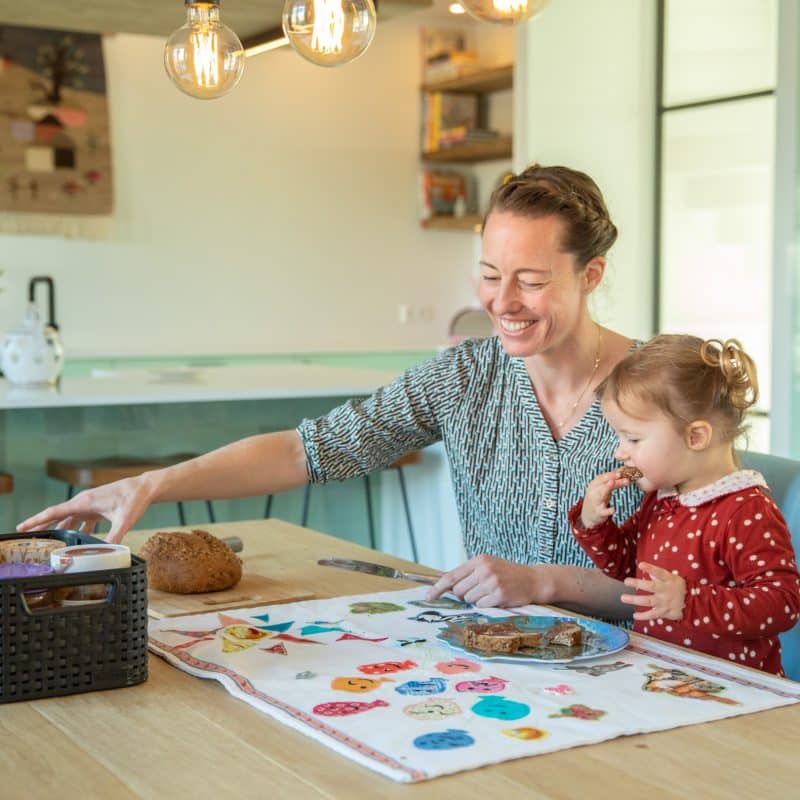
457, 136
444, 114
444, 193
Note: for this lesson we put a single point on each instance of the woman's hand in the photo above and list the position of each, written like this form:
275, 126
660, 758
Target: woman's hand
492, 582
667, 594
122, 503
596, 508
488, 581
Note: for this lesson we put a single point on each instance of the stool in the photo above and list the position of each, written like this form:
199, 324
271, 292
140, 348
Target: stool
414, 457
6, 483
88, 473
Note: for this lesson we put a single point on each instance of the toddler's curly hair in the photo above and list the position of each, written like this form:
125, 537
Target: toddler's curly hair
687, 379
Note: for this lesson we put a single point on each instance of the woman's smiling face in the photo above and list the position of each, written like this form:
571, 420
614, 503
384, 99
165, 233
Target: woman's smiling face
530, 288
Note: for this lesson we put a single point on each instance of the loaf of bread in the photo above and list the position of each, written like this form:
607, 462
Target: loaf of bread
190, 563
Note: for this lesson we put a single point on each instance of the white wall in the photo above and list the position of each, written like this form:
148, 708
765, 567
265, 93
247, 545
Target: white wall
585, 84
280, 218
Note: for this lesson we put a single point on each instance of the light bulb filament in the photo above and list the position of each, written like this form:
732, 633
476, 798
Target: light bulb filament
204, 58
205, 45
326, 36
510, 6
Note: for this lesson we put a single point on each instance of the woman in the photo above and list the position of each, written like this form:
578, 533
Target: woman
516, 413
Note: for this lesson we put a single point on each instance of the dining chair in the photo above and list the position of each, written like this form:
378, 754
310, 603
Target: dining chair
783, 477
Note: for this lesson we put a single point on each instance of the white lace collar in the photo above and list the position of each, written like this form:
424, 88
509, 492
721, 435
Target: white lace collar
735, 482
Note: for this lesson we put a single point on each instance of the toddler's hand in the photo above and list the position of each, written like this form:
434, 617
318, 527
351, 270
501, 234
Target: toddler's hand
598, 493
667, 594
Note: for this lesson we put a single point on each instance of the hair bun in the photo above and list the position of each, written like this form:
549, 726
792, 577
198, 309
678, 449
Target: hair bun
737, 368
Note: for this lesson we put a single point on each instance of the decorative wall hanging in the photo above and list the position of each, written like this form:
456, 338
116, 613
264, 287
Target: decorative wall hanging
55, 148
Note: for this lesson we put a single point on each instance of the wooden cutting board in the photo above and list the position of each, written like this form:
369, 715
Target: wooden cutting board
252, 590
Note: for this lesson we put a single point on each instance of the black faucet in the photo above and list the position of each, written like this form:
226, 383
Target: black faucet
51, 297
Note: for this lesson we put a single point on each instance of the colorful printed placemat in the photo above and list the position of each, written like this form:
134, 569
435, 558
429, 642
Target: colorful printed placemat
366, 676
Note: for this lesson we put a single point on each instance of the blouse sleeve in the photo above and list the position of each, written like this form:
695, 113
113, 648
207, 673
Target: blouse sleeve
764, 596
360, 436
611, 547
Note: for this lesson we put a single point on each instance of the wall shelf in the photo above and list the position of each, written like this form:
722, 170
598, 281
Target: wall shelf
469, 222
490, 150
440, 185
488, 80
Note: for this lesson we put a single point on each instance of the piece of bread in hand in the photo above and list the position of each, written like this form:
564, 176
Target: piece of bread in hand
190, 563
631, 473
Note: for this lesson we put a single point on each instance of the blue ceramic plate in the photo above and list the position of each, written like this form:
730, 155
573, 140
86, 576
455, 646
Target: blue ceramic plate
599, 639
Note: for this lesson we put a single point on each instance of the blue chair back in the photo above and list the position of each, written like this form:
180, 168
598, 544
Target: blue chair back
783, 477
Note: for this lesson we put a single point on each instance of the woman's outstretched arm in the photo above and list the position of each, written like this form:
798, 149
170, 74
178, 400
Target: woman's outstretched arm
265, 464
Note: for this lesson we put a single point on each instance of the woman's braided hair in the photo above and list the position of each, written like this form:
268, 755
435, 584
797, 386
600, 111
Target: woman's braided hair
566, 193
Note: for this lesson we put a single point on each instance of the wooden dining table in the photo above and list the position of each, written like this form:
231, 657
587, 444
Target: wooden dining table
178, 736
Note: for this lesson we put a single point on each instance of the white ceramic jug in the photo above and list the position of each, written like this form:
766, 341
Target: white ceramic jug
32, 353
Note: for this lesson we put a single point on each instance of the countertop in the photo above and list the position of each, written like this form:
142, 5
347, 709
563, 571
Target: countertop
102, 387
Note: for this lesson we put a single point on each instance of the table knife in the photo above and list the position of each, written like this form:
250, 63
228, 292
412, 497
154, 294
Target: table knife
382, 570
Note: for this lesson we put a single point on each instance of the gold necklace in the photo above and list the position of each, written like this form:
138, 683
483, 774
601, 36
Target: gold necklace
566, 419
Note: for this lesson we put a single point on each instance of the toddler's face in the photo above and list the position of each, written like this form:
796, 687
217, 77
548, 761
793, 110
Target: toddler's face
650, 442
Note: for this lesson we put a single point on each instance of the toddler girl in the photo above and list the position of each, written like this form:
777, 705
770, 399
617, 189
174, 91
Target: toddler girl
710, 551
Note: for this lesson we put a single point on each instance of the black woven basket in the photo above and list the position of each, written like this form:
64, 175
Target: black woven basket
49, 652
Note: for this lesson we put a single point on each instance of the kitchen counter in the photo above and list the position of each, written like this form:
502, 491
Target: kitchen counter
155, 407
114, 387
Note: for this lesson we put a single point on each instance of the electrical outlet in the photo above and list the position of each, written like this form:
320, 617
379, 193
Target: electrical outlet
403, 313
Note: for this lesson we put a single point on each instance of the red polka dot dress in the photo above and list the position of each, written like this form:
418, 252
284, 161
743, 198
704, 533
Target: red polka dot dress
730, 543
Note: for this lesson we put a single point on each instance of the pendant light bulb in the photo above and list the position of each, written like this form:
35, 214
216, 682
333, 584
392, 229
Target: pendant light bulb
503, 12
204, 58
329, 33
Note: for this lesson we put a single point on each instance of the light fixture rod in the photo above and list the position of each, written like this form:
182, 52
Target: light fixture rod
270, 39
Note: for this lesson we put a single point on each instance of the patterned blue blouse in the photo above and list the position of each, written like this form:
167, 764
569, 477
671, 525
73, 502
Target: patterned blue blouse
514, 484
